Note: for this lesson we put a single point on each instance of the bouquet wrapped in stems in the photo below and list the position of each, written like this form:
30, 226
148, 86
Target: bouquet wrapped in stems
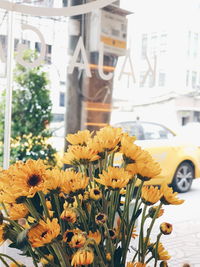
81, 216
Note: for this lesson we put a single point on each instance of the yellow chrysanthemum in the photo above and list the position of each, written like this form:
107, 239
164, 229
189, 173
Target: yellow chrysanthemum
133, 153
17, 211
109, 137
80, 138
22, 180
115, 178
95, 193
150, 195
76, 155
69, 215
135, 264
56, 181
75, 181
68, 235
2, 233
43, 233
166, 228
162, 253
95, 235
101, 218
145, 170
170, 198
82, 257
78, 240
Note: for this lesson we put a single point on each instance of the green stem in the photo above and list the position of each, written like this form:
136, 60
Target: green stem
156, 250
32, 209
149, 259
82, 215
10, 258
150, 228
62, 257
99, 254
141, 238
43, 201
4, 208
33, 257
110, 244
15, 224
5, 263
132, 223
57, 203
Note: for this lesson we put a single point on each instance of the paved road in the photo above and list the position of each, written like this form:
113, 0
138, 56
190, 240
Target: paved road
184, 243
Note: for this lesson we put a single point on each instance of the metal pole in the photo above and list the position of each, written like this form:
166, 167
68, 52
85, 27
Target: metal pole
8, 107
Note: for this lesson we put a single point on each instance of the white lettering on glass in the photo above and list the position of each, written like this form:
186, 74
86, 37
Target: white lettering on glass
103, 76
22, 47
123, 72
74, 63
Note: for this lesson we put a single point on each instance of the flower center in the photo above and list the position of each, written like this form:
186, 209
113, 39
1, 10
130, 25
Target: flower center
43, 234
34, 180
96, 192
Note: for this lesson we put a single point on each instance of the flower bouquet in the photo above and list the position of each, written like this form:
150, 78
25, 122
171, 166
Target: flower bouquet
81, 216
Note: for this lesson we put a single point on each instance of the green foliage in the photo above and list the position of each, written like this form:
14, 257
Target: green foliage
31, 113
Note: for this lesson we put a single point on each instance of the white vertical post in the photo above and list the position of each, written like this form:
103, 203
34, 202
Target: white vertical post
8, 107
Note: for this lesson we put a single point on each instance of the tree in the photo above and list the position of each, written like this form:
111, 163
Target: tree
31, 114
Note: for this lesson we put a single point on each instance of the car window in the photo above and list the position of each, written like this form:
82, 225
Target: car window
154, 131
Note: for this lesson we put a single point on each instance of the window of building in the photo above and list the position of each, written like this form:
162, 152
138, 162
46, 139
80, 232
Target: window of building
48, 54
195, 45
26, 42
153, 44
163, 42
194, 79
3, 41
161, 79
187, 77
38, 46
144, 46
62, 99
189, 43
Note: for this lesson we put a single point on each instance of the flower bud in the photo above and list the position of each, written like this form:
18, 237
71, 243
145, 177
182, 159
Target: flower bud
166, 228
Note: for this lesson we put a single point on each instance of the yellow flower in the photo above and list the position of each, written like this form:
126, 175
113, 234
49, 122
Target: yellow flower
56, 181
82, 257
17, 211
22, 180
44, 261
100, 218
43, 233
75, 182
69, 215
133, 154
95, 194
169, 197
135, 264
108, 257
13, 264
109, 138
147, 170
114, 178
2, 233
150, 195
95, 235
166, 228
134, 235
76, 155
78, 240
67, 237
80, 138
162, 253
153, 210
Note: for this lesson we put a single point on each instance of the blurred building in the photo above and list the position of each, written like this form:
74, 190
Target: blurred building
55, 64
164, 41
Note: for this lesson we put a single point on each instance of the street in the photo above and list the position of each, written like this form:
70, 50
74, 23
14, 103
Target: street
184, 243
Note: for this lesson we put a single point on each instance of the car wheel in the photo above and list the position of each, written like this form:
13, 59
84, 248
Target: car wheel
183, 177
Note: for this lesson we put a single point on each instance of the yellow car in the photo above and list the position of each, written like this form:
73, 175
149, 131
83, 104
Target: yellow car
178, 157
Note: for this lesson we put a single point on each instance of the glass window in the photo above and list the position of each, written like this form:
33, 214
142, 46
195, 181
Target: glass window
62, 99
154, 131
161, 79
194, 79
